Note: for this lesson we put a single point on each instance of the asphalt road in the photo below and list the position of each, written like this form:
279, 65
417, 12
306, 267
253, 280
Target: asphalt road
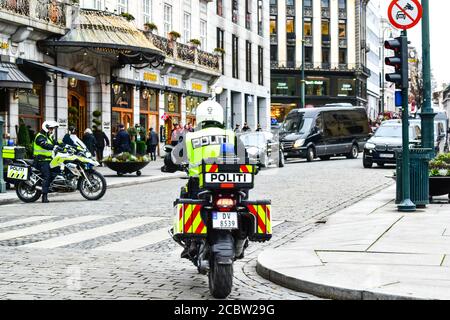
119, 248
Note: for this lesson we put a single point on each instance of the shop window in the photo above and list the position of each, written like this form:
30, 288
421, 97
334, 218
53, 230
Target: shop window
317, 86
284, 87
122, 96
31, 108
149, 100
172, 102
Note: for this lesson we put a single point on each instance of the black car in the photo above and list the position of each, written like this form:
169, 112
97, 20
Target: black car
380, 149
325, 132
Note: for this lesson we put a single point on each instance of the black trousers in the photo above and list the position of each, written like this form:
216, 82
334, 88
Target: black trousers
152, 150
44, 168
100, 154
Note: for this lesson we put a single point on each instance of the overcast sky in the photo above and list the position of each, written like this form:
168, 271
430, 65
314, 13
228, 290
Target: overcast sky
440, 36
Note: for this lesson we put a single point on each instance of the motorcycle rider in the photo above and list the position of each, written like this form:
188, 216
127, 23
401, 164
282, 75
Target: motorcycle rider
44, 144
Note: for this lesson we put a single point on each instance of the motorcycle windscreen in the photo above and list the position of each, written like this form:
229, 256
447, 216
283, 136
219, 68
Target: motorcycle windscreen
78, 142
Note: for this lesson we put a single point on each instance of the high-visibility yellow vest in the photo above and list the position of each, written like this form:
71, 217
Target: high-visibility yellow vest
43, 154
205, 144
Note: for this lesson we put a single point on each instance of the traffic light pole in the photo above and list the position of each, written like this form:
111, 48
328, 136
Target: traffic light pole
406, 204
2, 182
427, 115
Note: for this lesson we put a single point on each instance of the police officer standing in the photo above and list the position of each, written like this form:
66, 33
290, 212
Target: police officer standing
44, 144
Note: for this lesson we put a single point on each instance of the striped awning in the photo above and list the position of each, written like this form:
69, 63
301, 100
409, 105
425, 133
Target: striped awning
107, 34
11, 77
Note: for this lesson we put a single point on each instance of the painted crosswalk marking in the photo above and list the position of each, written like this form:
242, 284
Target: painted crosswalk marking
92, 233
48, 226
17, 222
138, 242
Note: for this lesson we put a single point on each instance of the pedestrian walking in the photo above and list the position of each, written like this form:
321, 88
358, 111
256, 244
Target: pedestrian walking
101, 140
122, 142
67, 140
258, 129
175, 135
246, 128
237, 128
89, 141
152, 143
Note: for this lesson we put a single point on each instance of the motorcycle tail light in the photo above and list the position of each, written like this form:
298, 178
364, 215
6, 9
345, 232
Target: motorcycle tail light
225, 204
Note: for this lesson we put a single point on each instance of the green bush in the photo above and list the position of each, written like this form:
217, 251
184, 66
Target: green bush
23, 138
133, 148
97, 114
141, 148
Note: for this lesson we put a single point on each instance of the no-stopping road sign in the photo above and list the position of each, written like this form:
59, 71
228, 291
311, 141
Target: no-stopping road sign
405, 14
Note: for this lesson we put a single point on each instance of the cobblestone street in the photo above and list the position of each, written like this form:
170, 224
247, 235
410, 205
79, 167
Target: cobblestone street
119, 247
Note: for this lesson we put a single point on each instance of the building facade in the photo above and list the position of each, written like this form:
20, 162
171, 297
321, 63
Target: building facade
335, 53
373, 58
239, 28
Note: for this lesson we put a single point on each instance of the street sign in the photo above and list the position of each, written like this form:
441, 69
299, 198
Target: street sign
405, 14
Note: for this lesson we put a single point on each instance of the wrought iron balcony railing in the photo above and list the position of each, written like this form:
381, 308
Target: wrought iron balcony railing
308, 40
320, 66
273, 39
290, 11
326, 13
273, 9
343, 43
186, 53
342, 14
49, 11
308, 11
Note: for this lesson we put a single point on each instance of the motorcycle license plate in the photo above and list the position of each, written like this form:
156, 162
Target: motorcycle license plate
225, 220
17, 173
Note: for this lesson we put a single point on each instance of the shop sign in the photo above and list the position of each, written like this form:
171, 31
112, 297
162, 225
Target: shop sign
106, 125
197, 86
174, 82
4, 45
346, 87
315, 82
282, 86
62, 123
150, 77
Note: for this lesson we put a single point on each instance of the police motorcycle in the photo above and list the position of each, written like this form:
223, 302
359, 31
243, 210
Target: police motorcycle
73, 168
215, 223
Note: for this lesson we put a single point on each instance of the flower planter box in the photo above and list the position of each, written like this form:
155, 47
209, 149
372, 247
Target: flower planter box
439, 186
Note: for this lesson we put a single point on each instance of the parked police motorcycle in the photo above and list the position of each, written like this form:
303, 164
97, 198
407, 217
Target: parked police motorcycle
73, 168
215, 228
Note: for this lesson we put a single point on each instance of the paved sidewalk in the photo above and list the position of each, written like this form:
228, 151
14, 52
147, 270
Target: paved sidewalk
369, 251
151, 173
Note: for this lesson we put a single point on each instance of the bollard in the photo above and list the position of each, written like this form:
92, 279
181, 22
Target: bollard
2, 182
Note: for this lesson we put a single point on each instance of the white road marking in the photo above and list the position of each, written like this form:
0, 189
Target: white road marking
24, 220
48, 226
277, 223
138, 242
92, 233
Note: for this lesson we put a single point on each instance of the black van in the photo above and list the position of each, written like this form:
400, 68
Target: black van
324, 132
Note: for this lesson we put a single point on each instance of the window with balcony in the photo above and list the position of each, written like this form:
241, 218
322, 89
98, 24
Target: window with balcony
290, 27
273, 25
167, 19
203, 34
325, 31
122, 6
187, 27
290, 55
308, 27
235, 56
146, 8
342, 29
248, 14
260, 17
248, 61
235, 11
260, 66
220, 44
219, 7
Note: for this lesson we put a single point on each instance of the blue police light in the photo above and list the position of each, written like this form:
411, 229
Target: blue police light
227, 149
398, 99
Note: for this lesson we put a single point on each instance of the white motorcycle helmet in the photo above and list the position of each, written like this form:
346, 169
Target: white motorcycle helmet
209, 111
49, 125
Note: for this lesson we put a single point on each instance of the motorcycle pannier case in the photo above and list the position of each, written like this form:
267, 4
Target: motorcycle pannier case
261, 228
18, 172
188, 221
13, 153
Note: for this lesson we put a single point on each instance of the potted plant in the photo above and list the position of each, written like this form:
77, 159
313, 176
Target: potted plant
219, 51
127, 16
150, 26
440, 175
173, 35
195, 43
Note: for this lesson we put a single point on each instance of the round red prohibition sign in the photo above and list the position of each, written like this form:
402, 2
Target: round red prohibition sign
405, 14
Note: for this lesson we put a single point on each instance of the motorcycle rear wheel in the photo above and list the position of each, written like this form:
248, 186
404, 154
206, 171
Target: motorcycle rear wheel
99, 186
220, 279
26, 193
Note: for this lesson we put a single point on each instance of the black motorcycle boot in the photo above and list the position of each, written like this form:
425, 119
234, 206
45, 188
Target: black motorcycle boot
45, 198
